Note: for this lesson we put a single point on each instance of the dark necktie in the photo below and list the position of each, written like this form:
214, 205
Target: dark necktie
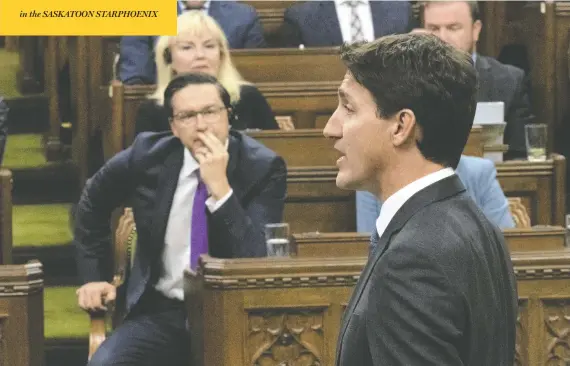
199, 225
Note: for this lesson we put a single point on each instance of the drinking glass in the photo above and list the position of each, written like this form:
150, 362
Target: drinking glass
536, 136
277, 239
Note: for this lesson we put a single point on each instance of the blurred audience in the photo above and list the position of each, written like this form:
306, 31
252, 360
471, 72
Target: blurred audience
239, 22
201, 46
331, 23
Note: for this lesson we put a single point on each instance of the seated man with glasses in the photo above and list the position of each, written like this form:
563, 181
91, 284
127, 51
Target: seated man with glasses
207, 189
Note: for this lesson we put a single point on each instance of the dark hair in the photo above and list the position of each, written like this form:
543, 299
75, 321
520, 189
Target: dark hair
424, 74
473, 9
183, 80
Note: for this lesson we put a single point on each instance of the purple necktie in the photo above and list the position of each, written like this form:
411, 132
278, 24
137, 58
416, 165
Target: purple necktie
199, 225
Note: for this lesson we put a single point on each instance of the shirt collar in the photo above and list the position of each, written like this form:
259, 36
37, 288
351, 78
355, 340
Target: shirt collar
190, 165
391, 206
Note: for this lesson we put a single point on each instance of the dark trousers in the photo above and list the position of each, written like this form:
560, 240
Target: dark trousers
154, 333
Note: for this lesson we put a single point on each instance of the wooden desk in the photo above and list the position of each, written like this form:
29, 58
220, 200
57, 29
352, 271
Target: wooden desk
21, 315
315, 203
310, 148
309, 104
540, 185
289, 65
289, 310
351, 244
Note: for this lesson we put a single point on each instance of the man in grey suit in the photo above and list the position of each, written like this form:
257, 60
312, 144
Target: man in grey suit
459, 23
439, 286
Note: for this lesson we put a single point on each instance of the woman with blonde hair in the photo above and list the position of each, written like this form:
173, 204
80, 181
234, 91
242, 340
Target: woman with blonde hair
201, 46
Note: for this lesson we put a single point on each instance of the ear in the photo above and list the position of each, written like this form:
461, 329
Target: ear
405, 128
477, 25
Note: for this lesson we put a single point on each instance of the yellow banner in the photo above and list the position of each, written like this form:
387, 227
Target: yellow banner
87, 18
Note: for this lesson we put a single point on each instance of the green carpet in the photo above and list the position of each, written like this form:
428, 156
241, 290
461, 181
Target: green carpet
9, 65
44, 225
24, 151
62, 316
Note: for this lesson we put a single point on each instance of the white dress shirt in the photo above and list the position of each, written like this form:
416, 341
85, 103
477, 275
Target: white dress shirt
391, 206
176, 253
344, 14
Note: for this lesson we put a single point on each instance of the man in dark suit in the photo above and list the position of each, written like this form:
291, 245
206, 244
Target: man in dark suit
439, 286
331, 23
3, 127
459, 23
240, 24
167, 180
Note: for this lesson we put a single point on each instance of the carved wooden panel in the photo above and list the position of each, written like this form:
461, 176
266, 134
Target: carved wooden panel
288, 337
557, 335
521, 348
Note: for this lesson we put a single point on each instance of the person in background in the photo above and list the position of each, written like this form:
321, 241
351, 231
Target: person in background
202, 188
239, 22
201, 46
479, 177
332, 23
3, 127
459, 24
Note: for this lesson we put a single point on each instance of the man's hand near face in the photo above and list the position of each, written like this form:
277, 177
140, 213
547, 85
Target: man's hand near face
213, 159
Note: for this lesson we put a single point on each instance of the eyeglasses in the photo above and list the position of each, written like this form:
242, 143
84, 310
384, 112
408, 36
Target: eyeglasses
209, 115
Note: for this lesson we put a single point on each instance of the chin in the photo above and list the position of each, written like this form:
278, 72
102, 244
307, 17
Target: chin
345, 181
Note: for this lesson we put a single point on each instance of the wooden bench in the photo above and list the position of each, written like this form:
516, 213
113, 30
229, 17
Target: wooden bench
289, 311
540, 188
306, 105
289, 65
309, 147
540, 185
350, 244
21, 315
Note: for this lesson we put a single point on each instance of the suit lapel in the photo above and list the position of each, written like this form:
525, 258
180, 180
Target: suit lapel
438, 191
330, 26
484, 79
167, 183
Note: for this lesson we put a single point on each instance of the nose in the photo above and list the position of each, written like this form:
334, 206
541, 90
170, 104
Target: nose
199, 52
333, 128
201, 124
